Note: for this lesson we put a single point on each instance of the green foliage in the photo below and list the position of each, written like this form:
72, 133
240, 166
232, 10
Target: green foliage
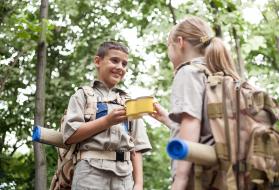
17, 172
156, 163
75, 29
51, 162
263, 57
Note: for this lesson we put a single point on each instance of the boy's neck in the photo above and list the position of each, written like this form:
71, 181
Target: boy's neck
105, 85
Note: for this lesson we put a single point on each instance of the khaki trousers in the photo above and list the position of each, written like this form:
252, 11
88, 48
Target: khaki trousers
87, 177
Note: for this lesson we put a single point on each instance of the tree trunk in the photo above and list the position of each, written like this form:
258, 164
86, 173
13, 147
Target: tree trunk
39, 152
277, 44
172, 13
240, 63
2, 141
216, 27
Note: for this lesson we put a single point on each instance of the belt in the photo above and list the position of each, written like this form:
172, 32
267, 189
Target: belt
105, 155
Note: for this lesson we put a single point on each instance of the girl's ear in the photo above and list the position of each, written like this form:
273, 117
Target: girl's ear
181, 42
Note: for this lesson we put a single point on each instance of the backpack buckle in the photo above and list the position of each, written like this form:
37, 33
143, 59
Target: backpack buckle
120, 156
240, 167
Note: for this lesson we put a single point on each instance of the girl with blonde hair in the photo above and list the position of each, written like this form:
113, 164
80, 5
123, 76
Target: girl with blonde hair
191, 41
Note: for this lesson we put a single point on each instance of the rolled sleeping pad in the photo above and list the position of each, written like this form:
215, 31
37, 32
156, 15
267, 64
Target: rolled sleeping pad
197, 153
48, 136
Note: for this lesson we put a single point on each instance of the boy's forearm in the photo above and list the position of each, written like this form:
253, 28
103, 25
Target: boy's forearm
136, 159
87, 130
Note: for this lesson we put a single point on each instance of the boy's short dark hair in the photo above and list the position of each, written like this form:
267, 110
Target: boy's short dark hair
105, 46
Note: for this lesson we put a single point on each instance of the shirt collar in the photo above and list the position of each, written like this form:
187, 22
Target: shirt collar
197, 60
100, 84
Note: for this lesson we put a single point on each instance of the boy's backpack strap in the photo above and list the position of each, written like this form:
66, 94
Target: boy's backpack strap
63, 176
121, 98
91, 103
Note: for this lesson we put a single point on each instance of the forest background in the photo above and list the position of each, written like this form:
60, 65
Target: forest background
75, 28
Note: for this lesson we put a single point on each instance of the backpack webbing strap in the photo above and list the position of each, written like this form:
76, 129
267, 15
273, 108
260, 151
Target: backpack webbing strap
91, 103
226, 120
222, 153
70, 152
215, 110
198, 175
238, 169
232, 182
68, 157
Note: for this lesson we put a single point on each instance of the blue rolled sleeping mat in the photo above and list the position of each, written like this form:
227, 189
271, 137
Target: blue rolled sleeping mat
197, 153
48, 136
53, 137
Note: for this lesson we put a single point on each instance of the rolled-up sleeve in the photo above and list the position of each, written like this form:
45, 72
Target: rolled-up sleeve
139, 134
75, 114
187, 93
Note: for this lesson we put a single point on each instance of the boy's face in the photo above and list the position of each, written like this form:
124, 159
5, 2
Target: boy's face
112, 68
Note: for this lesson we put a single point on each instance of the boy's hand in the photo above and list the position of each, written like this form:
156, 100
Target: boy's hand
161, 114
116, 116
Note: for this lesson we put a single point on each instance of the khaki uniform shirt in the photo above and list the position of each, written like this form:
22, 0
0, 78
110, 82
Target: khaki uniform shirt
115, 138
187, 96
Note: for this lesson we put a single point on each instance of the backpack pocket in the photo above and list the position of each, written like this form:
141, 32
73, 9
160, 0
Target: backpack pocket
255, 103
263, 156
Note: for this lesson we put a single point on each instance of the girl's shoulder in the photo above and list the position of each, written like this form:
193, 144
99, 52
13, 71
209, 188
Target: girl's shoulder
190, 71
191, 66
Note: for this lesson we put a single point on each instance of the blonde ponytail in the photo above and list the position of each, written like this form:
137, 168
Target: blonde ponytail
218, 58
198, 33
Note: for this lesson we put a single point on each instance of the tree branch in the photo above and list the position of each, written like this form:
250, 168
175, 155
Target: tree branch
2, 140
15, 147
174, 21
6, 75
240, 62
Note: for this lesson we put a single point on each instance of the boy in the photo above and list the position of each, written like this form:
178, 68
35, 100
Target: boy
111, 150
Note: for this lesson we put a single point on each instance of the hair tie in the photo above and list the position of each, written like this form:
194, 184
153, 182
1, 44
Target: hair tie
205, 39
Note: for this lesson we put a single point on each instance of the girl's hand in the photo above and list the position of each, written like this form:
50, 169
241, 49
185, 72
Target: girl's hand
161, 114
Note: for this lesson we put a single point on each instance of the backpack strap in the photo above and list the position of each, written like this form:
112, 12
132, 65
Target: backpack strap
198, 176
120, 99
226, 119
204, 69
91, 103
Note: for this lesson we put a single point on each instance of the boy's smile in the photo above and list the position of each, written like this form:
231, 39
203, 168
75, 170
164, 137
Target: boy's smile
112, 67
